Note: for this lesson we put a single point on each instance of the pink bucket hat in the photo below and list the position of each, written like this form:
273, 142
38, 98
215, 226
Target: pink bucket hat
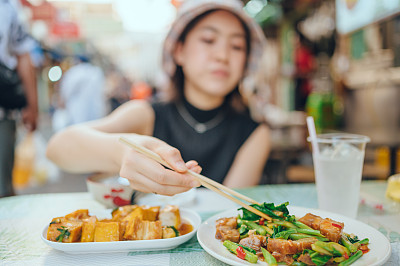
190, 9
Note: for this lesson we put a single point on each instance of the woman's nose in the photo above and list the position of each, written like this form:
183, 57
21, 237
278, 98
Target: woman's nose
222, 52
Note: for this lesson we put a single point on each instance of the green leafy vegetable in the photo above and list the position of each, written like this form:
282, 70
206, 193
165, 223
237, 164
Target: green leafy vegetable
285, 234
298, 263
301, 225
267, 208
277, 229
317, 258
352, 259
268, 257
298, 236
232, 247
259, 229
175, 230
248, 249
291, 218
56, 221
64, 233
243, 229
352, 247
352, 239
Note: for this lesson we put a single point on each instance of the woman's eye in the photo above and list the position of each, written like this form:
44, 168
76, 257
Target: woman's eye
207, 40
238, 47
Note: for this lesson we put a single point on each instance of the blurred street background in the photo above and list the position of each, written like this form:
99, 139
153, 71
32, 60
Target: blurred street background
337, 61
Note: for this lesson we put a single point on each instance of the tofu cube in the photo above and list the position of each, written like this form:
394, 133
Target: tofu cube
88, 227
71, 230
170, 216
168, 232
107, 232
150, 213
122, 212
78, 215
143, 230
136, 213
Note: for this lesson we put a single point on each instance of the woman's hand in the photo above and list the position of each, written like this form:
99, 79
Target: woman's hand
149, 176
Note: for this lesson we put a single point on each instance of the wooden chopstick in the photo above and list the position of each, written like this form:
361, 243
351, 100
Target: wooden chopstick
205, 181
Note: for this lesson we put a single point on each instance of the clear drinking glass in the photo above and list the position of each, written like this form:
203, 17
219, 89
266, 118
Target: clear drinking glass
338, 170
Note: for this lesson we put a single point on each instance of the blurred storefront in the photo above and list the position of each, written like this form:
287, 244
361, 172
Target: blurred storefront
337, 61
367, 71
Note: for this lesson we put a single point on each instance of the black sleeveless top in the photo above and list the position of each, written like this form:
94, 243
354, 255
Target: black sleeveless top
214, 149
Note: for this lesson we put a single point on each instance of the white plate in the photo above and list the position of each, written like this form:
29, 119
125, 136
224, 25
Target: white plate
379, 245
126, 246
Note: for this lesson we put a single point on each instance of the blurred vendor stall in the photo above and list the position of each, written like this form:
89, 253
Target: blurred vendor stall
366, 67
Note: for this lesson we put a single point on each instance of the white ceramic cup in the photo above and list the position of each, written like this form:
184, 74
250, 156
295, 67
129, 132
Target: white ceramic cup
110, 190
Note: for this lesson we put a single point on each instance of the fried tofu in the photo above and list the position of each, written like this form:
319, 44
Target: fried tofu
130, 222
129, 219
143, 230
78, 215
170, 216
136, 213
88, 228
105, 232
168, 232
70, 231
121, 212
150, 213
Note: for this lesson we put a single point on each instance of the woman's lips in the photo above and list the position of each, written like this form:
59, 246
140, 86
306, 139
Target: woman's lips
220, 73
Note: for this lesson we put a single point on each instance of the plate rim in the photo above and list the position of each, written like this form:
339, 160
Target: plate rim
127, 246
291, 208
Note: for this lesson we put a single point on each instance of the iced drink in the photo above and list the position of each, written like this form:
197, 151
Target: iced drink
338, 171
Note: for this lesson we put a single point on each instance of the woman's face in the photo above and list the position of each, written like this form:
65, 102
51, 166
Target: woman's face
213, 56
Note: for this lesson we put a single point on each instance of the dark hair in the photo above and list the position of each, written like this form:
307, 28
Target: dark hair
177, 80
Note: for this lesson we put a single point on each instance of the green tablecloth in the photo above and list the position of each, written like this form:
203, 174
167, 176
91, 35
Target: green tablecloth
22, 219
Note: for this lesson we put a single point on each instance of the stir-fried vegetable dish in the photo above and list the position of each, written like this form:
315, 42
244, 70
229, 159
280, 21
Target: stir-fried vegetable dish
284, 238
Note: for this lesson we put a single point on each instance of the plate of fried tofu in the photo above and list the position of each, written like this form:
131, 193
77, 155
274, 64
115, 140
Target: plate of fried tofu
124, 229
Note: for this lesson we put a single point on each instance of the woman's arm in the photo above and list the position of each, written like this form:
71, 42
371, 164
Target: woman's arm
250, 160
94, 147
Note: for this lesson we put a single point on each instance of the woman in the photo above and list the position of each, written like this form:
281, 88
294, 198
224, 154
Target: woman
211, 47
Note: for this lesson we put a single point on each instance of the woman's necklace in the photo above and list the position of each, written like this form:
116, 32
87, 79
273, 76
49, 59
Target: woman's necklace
196, 125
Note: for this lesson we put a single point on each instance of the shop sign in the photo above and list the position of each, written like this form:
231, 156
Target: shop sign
65, 29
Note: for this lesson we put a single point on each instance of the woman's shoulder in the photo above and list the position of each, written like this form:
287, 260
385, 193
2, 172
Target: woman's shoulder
134, 116
163, 108
161, 105
135, 106
243, 124
243, 118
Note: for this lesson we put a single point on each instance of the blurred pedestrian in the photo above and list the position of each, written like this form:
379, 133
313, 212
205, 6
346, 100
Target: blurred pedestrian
212, 46
82, 94
18, 89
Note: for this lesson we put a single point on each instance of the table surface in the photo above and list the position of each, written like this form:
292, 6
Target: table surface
22, 219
